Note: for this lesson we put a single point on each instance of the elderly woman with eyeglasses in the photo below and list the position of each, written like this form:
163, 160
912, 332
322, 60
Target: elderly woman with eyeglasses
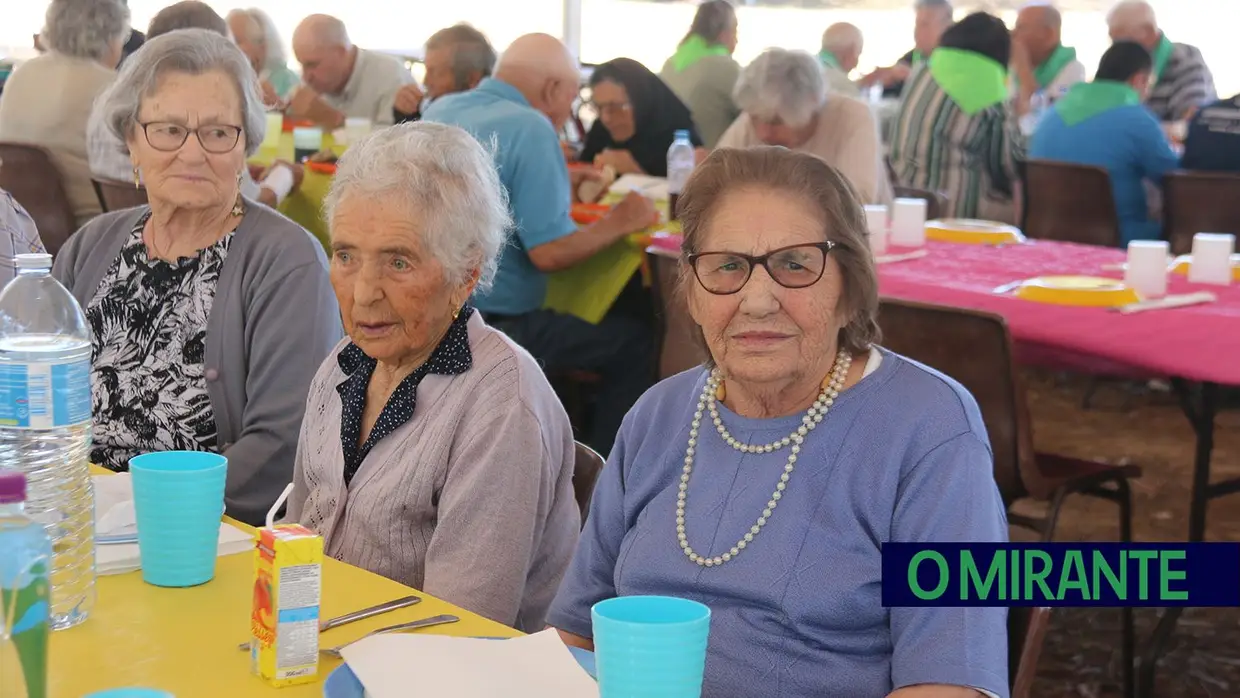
765, 483
47, 100
434, 451
209, 313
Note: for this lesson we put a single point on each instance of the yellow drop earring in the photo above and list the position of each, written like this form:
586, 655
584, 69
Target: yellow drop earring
137, 179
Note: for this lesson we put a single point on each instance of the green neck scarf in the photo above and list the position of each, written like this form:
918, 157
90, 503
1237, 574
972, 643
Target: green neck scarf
973, 81
1162, 54
1046, 73
693, 50
828, 59
1088, 99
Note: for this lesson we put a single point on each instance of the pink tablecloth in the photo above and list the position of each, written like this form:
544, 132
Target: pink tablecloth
1199, 343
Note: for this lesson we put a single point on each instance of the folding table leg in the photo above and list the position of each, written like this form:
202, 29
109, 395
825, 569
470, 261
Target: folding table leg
1200, 410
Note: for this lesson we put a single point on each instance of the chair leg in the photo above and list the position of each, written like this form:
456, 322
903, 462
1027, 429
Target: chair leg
1128, 626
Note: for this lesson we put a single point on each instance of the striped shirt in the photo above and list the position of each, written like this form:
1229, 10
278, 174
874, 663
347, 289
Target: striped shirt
17, 235
970, 159
1186, 83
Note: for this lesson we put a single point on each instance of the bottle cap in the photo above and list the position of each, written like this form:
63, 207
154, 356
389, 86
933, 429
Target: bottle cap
12, 487
682, 134
34, 261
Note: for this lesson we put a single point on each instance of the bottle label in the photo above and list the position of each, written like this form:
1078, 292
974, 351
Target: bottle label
42, 395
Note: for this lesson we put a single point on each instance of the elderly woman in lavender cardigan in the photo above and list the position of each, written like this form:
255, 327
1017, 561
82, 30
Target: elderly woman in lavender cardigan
764, 484
434, 452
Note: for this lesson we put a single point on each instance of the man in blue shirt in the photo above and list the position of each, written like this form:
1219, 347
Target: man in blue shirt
1103, 123
519, 110
1213, 142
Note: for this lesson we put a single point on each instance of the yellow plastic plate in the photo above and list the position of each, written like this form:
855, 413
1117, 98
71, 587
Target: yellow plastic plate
1088, 291
972, 232
1180, 265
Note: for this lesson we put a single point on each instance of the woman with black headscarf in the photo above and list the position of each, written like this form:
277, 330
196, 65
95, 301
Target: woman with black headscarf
638, 119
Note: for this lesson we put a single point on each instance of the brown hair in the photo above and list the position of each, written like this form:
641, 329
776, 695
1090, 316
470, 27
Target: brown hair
711, 20
820, 185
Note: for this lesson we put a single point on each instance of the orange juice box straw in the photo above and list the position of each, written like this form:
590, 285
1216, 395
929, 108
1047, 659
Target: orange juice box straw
284, 622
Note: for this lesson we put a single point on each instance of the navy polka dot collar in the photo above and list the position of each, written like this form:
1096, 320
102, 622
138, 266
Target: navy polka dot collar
451, 357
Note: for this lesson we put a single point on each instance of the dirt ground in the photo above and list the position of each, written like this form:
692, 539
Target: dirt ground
1081, 656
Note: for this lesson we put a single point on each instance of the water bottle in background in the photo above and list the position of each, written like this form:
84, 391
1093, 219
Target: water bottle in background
25, 562
45, 419
1037, 106
680, 163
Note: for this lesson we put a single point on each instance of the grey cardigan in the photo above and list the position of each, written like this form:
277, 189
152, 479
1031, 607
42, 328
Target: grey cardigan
471, 500
273, 322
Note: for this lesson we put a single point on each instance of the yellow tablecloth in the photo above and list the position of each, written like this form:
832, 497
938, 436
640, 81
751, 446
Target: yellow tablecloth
586, 290
185, 640
306, 204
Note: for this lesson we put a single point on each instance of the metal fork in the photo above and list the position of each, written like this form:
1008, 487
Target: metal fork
358, 615
412, 625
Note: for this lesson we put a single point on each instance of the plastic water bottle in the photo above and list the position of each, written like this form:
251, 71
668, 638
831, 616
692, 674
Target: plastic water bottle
1038, 104
25, 559
45, 418
680, 163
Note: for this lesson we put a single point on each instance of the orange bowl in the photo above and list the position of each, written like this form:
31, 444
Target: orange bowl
327, 168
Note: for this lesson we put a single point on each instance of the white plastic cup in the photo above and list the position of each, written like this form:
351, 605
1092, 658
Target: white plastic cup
876, 224
275, 129
1212, 258
355, 129
1146, 272
908, 222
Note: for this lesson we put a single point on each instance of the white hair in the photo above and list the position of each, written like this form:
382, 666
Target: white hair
842, 37
1132, 13
783, 84
85, 28
448, 180
268, 35
193, 51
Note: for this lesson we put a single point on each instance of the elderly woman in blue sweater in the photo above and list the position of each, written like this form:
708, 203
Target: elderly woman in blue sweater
765, 483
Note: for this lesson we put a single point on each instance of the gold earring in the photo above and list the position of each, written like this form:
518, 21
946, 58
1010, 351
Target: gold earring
456, 313
137, 180
720, 393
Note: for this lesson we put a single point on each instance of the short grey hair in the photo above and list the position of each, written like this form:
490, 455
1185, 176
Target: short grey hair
782, 84
265, 32
85, 28
944, 5
193, 51
471, 52
842, 36
1132, 13
443, 174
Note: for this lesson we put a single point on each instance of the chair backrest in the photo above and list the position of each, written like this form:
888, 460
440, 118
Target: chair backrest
679, 349
115, 196
975, 349
28, 173
587, 464
936, 202
1026, 631
1199, 202
1069, 202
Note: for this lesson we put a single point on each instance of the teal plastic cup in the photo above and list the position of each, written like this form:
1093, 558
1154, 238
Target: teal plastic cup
132, 693
650, 646
178, 499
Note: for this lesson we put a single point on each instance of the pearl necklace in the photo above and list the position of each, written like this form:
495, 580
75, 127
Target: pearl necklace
826, 398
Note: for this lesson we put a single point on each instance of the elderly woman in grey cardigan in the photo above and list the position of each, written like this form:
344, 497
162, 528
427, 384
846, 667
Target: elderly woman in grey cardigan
434, 452
209, 313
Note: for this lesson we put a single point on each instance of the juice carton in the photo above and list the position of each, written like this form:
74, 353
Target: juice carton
284, 622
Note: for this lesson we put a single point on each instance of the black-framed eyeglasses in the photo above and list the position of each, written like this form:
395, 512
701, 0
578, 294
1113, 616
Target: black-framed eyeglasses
167, 137
795, 266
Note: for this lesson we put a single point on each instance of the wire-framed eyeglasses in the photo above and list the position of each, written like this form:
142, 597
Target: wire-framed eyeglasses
167, 137
795, 266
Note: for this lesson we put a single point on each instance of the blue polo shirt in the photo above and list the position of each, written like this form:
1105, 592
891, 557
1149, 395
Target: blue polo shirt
1129, 143
532, 170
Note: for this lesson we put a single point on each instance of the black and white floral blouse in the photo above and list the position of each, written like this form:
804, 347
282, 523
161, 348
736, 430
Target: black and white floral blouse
149, 324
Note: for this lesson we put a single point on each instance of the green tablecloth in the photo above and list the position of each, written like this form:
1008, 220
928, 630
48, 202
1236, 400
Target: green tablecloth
586, 290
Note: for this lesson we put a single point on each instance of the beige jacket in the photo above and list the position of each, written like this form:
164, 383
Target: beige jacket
47, 102
846, 137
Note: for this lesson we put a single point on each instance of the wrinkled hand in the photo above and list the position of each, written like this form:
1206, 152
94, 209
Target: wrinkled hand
409, 99
1021, 61
577, 175
634, 213
299, 105
271, 98
620, 160
896, 74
